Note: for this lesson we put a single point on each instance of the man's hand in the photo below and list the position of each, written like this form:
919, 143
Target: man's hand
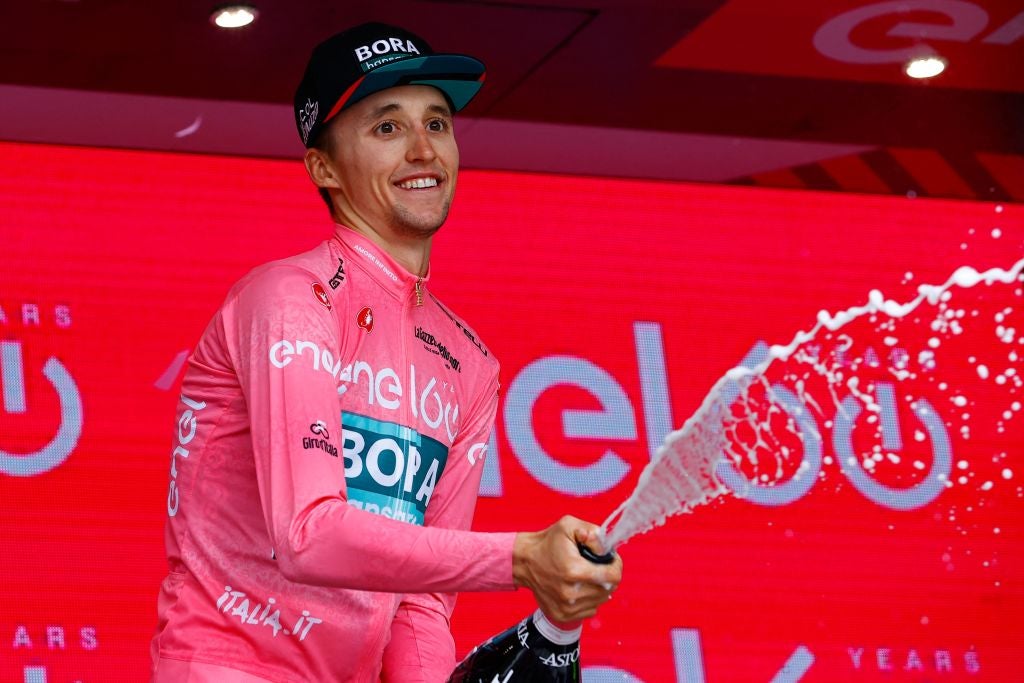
567, 586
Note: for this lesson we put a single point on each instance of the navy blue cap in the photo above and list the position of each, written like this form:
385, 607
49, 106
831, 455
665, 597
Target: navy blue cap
369, 58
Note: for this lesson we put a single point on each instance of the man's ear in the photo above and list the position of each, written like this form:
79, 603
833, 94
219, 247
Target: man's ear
320, 168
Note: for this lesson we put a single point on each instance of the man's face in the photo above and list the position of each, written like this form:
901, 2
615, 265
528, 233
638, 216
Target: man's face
396, 161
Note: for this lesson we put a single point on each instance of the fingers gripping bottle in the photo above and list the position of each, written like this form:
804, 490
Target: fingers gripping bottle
536, 650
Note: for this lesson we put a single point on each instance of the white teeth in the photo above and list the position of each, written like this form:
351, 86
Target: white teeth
418, 183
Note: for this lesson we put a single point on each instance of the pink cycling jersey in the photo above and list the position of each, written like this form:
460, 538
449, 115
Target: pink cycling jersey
324, 470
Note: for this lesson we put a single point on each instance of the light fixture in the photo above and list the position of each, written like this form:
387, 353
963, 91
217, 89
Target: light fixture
233, 16
925, 67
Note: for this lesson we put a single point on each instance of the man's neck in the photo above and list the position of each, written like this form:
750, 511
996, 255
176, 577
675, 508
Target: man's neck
410, 252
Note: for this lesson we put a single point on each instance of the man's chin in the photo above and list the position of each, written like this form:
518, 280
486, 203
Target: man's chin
421, 225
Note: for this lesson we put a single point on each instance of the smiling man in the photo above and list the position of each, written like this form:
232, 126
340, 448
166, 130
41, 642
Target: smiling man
335, 415
389, 167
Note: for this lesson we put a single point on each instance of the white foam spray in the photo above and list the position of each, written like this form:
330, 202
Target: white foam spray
681, 475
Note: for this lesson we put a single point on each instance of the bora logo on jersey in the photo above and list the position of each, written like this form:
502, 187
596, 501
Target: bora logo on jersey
390, 469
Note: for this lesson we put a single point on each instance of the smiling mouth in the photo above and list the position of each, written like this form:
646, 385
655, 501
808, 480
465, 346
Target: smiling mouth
418, 183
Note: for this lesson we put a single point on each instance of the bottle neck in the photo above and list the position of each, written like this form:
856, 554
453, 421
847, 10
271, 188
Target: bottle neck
560, 633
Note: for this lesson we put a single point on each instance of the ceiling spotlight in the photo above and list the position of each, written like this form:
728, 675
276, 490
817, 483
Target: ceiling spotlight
233, 16
925, 67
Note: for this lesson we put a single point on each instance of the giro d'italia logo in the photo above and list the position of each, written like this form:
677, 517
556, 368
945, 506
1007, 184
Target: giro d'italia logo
15, 376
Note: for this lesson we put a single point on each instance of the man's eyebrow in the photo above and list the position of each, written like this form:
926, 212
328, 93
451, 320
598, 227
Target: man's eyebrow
437, 109
382, 110
441, 109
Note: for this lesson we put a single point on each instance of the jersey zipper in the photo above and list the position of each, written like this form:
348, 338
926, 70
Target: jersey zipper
419, 291
407, 324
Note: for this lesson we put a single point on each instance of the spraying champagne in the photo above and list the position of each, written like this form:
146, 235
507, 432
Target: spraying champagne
537, 649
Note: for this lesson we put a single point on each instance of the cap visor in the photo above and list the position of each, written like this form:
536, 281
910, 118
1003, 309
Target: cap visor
459, 77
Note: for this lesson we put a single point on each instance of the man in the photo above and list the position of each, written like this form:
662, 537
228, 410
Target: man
335, 415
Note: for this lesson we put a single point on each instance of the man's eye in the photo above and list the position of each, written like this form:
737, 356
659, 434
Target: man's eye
386, 127
437, 125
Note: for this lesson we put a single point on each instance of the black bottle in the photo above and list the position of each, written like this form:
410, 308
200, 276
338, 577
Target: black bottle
534, 650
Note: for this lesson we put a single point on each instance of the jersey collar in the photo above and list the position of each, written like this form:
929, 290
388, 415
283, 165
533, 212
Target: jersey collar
375, 261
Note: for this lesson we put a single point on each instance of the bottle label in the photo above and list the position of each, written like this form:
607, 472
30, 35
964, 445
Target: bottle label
546, 651
523, 654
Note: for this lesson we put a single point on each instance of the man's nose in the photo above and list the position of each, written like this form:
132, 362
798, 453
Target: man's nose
420, 147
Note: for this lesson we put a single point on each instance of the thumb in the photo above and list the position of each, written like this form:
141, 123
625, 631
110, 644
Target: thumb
582, 533
589, 535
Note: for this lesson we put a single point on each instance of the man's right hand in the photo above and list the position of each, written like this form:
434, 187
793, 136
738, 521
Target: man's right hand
567, 586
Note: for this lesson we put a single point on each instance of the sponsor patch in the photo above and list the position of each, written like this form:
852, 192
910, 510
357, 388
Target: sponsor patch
321, 295
383, 51
339, 275
432, 344
390, 469
307, 118
365, 318
465, 330
254, 612
323, 443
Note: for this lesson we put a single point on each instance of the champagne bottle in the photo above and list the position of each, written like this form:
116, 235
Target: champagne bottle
535, 650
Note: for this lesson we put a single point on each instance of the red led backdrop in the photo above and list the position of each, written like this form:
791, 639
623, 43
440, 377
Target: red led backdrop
614, 306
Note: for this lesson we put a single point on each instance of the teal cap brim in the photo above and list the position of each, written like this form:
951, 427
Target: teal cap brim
459, 77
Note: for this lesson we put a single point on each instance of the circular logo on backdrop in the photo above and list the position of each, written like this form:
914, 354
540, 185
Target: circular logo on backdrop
18, 371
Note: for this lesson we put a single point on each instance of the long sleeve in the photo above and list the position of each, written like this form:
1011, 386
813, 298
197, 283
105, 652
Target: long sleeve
286, 346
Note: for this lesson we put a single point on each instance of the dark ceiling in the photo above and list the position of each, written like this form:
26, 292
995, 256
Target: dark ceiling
800, 94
